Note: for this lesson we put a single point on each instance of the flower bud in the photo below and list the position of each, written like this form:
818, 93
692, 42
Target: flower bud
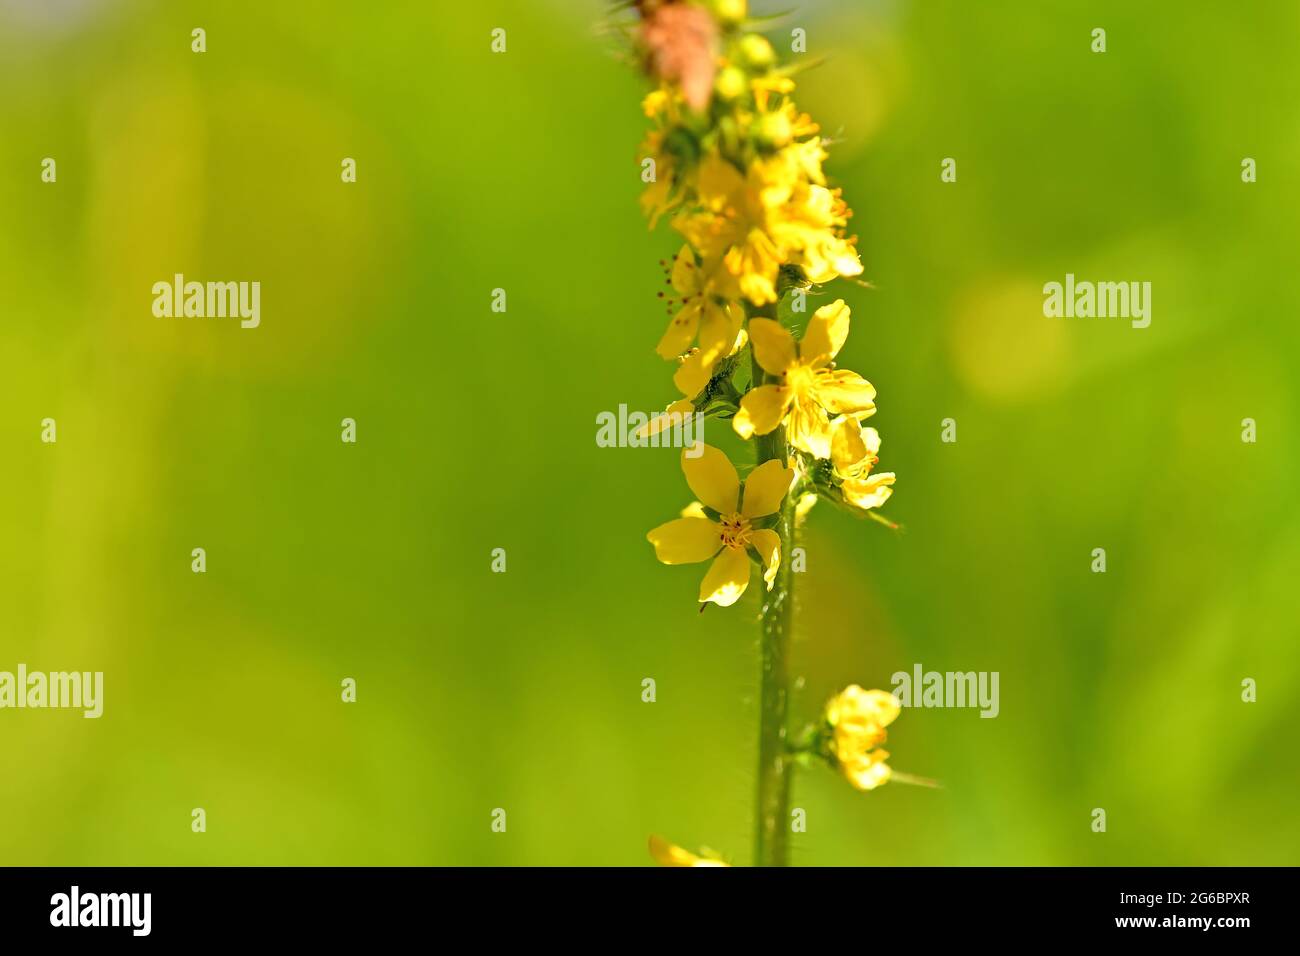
730, 12
755, 53
774, 130
730, 84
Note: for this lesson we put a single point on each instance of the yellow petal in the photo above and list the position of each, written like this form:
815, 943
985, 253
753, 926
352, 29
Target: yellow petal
765, 487
870, 492
654, 102
737, 319
868, 773
716, 332
686, 274
655, 198
885, 705
809, 429
878, 707
755, 266
761, 410
674, 416
843, 392
680, 332
686, 540
666, 854
847, 446
768, 545
694, 510
773, 345
727, 578
845, 260
758, 288
713, 478
718, 183
827, 331
693, 374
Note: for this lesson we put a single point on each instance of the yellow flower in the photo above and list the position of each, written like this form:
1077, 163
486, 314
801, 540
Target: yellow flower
854, 450
782, 126
731, 228
807, 157
784, 176
811, 391
666, 854
809, 228
730, 12
778, 211
716, 323
768, 83
656, 102
858, 719
696, 537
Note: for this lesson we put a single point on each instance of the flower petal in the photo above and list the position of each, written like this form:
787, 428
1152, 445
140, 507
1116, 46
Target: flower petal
666, 854
727, 578
773, 345
761, 410
768, 545
765, 488
842, 392
686, 274
870, 492
827, 331
719, 183
674, 416
868, 772
680, 332
759, 287
693, 374
809, 429
717, 331
713, 478
847, 446
686, 540
885, 705
876, 707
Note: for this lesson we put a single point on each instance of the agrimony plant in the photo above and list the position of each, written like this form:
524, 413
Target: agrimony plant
736, 169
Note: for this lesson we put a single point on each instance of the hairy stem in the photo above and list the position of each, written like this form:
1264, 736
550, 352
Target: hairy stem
771, 847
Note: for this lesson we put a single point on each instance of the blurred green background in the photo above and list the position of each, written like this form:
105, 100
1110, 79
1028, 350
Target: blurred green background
476, 431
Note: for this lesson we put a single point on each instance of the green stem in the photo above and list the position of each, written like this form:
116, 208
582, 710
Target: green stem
775, 762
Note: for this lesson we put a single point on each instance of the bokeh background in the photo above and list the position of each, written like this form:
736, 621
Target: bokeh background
476, 431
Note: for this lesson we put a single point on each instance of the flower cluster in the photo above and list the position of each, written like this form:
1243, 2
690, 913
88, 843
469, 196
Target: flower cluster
853, 729
736, 168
